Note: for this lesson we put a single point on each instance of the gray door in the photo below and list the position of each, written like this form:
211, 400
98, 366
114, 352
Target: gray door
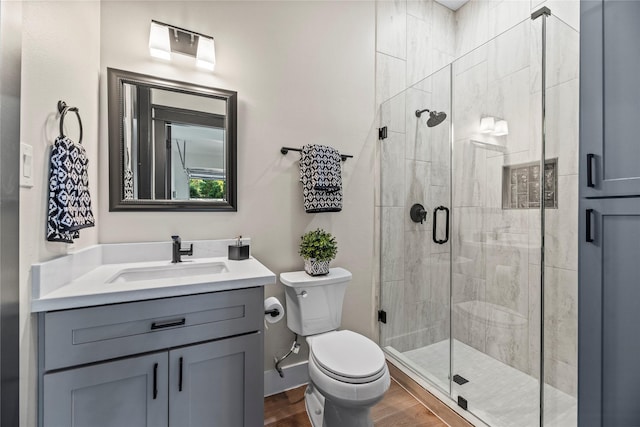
609, 313
130, 392
219, 383
609, 98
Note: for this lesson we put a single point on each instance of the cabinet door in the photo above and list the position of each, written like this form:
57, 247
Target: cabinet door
219, 383
609, 313
130, 392
609, 98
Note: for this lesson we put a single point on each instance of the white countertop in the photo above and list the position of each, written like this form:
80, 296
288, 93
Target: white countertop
89, 287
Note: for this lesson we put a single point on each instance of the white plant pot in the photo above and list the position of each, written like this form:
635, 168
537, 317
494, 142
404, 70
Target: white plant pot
316, 268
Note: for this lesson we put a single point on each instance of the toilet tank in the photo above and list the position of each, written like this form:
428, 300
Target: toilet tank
314, 303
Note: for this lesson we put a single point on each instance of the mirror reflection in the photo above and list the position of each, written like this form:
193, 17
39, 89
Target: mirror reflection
186, 153
176, 145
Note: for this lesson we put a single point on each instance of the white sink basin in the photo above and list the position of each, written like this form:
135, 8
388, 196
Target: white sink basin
125, 272
168, 272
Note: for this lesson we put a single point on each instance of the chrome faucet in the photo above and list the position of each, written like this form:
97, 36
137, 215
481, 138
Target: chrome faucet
178, 251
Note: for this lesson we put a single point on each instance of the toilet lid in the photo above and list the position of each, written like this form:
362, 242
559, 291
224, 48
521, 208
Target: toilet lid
348, 355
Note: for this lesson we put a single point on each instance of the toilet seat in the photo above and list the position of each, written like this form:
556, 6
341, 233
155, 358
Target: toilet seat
349, 394
347, 357
346, 379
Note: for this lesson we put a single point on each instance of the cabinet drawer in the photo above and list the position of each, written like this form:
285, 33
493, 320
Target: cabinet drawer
74, 337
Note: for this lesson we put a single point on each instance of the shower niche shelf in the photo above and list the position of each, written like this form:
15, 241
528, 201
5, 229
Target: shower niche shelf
521, 185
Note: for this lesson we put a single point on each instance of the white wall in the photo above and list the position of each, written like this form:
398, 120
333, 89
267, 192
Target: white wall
304, 73
60, 61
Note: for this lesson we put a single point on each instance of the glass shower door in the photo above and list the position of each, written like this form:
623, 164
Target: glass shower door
483, 314
415, 271
495, 243
560, 226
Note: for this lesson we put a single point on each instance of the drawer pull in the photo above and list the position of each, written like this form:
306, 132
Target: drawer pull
155, 381
180, 379
168, 324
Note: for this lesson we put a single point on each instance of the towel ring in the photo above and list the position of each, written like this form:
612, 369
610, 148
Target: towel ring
62, 109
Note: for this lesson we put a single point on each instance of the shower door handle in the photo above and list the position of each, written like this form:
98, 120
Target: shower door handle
435, 225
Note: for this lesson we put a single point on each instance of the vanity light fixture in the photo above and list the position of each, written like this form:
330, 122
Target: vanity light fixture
165, 39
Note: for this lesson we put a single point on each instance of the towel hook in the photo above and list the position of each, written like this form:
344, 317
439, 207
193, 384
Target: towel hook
62, 109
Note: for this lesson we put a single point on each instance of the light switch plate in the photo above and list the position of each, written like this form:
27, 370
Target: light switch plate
26, 165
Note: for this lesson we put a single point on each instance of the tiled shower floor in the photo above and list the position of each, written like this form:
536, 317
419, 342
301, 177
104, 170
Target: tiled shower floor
500, 395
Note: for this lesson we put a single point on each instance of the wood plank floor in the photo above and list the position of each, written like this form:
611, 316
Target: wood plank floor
397, 409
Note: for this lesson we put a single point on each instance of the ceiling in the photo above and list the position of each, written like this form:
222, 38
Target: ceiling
452, 4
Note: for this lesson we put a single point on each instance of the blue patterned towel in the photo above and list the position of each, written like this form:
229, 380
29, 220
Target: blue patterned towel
69, 207
326, 166
320, 174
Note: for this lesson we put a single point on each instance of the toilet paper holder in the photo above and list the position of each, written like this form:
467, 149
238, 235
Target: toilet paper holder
274, 312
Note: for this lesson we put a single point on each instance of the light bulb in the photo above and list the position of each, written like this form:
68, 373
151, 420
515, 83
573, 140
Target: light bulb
159, 46
206, 55
501, 128
487, 124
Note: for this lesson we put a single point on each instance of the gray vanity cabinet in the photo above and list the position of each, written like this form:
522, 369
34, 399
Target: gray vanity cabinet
609, 307
609, 98
609, 231
213, 384
174, 362
132, 392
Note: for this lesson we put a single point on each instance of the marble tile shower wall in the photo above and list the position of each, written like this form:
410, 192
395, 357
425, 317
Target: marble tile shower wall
496, 252
414, 39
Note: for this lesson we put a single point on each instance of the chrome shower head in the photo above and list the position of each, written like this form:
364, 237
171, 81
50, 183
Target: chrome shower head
435, 117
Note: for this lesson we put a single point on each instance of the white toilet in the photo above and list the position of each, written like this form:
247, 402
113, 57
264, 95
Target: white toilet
347, 371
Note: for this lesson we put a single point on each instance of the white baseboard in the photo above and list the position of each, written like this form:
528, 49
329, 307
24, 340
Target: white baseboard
294, 376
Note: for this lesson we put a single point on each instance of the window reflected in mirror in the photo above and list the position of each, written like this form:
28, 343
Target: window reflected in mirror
176, 147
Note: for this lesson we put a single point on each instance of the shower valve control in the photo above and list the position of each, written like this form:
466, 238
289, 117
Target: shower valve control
418, 213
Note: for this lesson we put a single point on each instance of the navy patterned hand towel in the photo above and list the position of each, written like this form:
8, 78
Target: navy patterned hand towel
326, 166
320, 174
69, 207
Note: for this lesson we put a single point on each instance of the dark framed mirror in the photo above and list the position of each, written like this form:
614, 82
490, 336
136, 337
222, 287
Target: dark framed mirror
172, 145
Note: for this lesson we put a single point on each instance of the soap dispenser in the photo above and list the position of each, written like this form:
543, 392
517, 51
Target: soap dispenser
238, 251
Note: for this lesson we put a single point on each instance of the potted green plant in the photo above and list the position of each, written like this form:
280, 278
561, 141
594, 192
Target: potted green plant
318, 248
